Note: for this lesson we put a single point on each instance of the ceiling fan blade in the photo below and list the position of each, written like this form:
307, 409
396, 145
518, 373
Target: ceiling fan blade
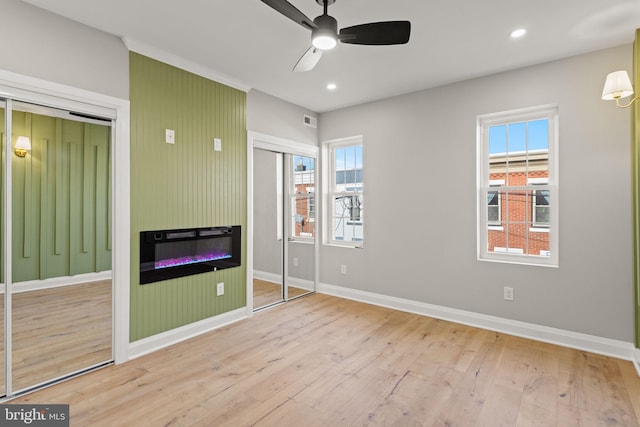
308, 61
377, 33
291, 12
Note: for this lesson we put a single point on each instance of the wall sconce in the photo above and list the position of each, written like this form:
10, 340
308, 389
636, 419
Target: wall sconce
617, 86
23, 144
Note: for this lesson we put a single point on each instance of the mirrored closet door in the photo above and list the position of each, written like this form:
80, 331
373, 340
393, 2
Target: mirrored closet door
300, 178
268, 239
58, 213
3, 226
284, 226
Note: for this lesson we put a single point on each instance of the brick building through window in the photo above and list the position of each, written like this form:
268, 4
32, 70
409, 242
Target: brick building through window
303, 198
518, 218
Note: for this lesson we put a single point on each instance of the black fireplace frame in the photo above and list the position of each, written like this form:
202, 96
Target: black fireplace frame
149, 241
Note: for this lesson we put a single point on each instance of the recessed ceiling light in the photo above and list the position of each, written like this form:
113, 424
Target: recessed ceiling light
516, 34
331, 86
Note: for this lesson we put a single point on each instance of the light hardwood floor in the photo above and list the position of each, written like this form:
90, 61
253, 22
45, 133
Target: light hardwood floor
58, 331
326, 361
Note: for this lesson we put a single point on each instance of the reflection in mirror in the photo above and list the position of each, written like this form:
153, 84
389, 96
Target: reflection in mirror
301, 226
61, 245
267, 228
59, 331
2, 269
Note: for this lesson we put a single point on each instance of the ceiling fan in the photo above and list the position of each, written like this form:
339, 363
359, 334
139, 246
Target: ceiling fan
325, 35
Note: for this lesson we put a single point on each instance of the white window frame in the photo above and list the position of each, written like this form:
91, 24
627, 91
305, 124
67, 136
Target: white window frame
484, 122
329, 185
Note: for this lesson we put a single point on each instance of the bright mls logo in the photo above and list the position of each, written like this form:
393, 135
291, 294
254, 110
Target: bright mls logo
34, 415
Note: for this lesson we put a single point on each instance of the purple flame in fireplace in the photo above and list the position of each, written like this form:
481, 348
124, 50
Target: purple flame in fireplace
174, 262
174, 254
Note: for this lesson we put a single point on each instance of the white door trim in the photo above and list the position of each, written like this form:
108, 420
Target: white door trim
273, 143
29, 89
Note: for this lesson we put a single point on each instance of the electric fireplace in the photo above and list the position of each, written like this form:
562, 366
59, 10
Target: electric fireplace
167, 254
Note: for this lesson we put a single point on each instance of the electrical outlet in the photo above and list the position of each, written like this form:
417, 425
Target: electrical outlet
295, 262
170, 136
217, 144
220, 289
508, 293
343, 269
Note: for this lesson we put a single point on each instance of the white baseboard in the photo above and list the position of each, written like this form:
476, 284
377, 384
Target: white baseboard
267, 277
277, 279
174, 336
305, 284
56, 282
604, 346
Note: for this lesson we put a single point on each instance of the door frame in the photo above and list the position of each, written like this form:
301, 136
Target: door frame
281, 145
19, 87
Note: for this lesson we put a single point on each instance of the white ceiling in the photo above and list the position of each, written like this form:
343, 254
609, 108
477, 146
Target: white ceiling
250, 44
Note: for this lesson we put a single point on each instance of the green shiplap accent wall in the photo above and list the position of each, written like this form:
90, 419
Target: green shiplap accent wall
184, 185
635, 157
60, 224
2, 270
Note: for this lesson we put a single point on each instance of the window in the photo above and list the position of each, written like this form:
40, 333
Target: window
540, 206
517, 153
494, 207
302, 197
311, 203
344, 195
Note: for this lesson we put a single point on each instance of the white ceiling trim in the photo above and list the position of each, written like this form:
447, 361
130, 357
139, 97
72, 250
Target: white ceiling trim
182, 63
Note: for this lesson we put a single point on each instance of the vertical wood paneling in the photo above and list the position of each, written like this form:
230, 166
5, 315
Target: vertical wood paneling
60, 236
184, 185
55, 218
109, 195
44, 205
28, 212
75, 188
87, 191
102, 234
2, 278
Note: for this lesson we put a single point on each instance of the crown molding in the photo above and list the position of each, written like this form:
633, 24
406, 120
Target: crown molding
185, 64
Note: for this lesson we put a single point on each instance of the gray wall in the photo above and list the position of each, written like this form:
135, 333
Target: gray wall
275, 117
40, 44
420, 192
305, 270
420, 177
272, 116
267, 250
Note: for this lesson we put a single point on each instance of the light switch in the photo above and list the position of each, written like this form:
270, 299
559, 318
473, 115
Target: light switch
217, 144
170, 136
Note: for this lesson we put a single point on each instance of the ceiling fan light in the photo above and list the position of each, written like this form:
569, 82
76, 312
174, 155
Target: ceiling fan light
324, 39
516, 34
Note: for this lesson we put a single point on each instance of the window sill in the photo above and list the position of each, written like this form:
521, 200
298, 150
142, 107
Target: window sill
307, 241
539, 230
530, 260
346, 246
